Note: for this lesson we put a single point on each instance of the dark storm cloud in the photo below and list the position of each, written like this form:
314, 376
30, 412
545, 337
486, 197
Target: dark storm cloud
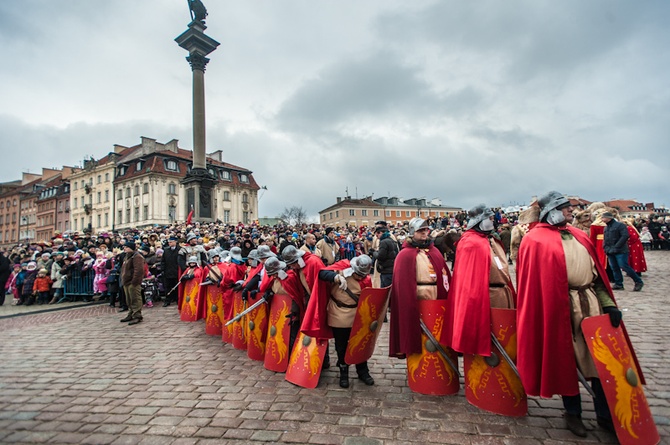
378, 86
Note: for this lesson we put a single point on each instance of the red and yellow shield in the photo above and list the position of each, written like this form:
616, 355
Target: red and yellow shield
621, 381
257, 330
428, 372
279, 330
239, 327
189, 306
368, 321
304, 367
214, 318
490, 382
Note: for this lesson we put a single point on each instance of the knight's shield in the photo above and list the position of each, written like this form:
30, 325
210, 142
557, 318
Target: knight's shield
257, 330
239, 327
428, 372
490, 382
368, 320
279, 331
189, 305
304, 367
621, 381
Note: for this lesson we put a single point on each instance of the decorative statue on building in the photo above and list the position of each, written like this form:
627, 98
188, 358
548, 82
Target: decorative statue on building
197, 10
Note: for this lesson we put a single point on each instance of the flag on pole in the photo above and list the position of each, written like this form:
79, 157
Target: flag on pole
189, 218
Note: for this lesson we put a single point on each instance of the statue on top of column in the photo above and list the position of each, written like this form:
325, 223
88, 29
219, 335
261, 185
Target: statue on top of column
197, 10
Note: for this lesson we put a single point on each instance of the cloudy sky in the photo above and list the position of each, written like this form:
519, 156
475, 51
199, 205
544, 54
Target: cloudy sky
469, 102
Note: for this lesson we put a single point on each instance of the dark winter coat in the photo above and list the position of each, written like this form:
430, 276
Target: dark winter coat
615, 240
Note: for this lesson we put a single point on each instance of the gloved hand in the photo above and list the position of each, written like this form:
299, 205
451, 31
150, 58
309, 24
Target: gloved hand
252, 294
237, 287
342, 282
615, 315
189, 276
267, 296
245, 294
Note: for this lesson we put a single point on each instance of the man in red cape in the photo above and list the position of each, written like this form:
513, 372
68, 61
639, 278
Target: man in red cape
408, 287
481, 281
559, 282
332, 308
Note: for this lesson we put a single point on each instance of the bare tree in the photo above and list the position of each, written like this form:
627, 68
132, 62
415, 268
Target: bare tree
293, 216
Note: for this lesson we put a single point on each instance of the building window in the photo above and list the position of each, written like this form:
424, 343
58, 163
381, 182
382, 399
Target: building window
245, 198
397, 213
83, 183
145, 187
120, 216
171, 165
82, 224
145, 213
172, 188
127, 216
106, 219
122, 170
375, 213
337, 213
244, 178
99, 197
137, 214
212, 172
364, 212
74, 204
106, 195
106, 177
245, 217
75, 224
75, 185
226, 216
137, 190
225, 175
99, 221
331, 215
172, 213
127, 192
226, 196
139, 165
99, 179
352, 212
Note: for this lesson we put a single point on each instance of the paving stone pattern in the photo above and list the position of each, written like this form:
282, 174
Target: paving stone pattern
81, 376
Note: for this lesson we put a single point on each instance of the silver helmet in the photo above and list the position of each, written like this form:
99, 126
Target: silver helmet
223, 254
211, 253
236, 254
290, 254
361, 265
417, 224
253, 256
478, 214
192, 260
550, 201
273, 265
265, 252
190, 236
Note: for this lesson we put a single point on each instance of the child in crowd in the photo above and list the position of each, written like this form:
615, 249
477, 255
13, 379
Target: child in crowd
42, 286
646, 238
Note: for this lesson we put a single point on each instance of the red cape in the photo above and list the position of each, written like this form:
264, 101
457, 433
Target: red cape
636, 257
546, 358
315, 323
231, 275
180, 290
405, 333
293, 288
469, 299
202, 293
313, 265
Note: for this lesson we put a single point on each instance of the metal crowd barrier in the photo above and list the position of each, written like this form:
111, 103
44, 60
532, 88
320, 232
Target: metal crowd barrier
78, 285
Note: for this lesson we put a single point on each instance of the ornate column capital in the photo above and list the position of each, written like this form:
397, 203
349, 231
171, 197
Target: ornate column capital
197, 61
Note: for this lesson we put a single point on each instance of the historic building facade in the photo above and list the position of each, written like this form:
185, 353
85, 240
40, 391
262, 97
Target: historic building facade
366, 211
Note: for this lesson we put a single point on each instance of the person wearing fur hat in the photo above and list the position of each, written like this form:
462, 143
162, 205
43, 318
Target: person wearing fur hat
560, 282
132, 273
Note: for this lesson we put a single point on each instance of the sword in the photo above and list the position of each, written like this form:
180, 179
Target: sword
507, 358
239, 316
439, 347
583, 381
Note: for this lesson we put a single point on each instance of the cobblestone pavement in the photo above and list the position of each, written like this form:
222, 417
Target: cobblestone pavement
80, 376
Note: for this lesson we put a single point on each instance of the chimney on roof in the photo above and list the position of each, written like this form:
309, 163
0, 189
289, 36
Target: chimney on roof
217, 155
339, 200
148, 145
172, 146
119, 148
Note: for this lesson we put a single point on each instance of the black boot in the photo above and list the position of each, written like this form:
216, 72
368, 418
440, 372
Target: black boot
344, 376
575, 424
326, 361
364, 374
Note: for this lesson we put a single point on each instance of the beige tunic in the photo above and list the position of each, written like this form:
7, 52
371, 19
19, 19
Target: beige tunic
582, 273
327, 251
343, 317
425, 277
499, 280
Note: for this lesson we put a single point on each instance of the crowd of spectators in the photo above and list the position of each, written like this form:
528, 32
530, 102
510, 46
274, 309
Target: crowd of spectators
36, 272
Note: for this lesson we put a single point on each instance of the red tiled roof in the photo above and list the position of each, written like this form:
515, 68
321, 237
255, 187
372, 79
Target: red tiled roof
623, 204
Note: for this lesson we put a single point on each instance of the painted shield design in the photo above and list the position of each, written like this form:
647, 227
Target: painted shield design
214, 320
370, 312
189, 307
490, 382
304, 367
613, 356
279, 330
239, 327
257, 331
428, 372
